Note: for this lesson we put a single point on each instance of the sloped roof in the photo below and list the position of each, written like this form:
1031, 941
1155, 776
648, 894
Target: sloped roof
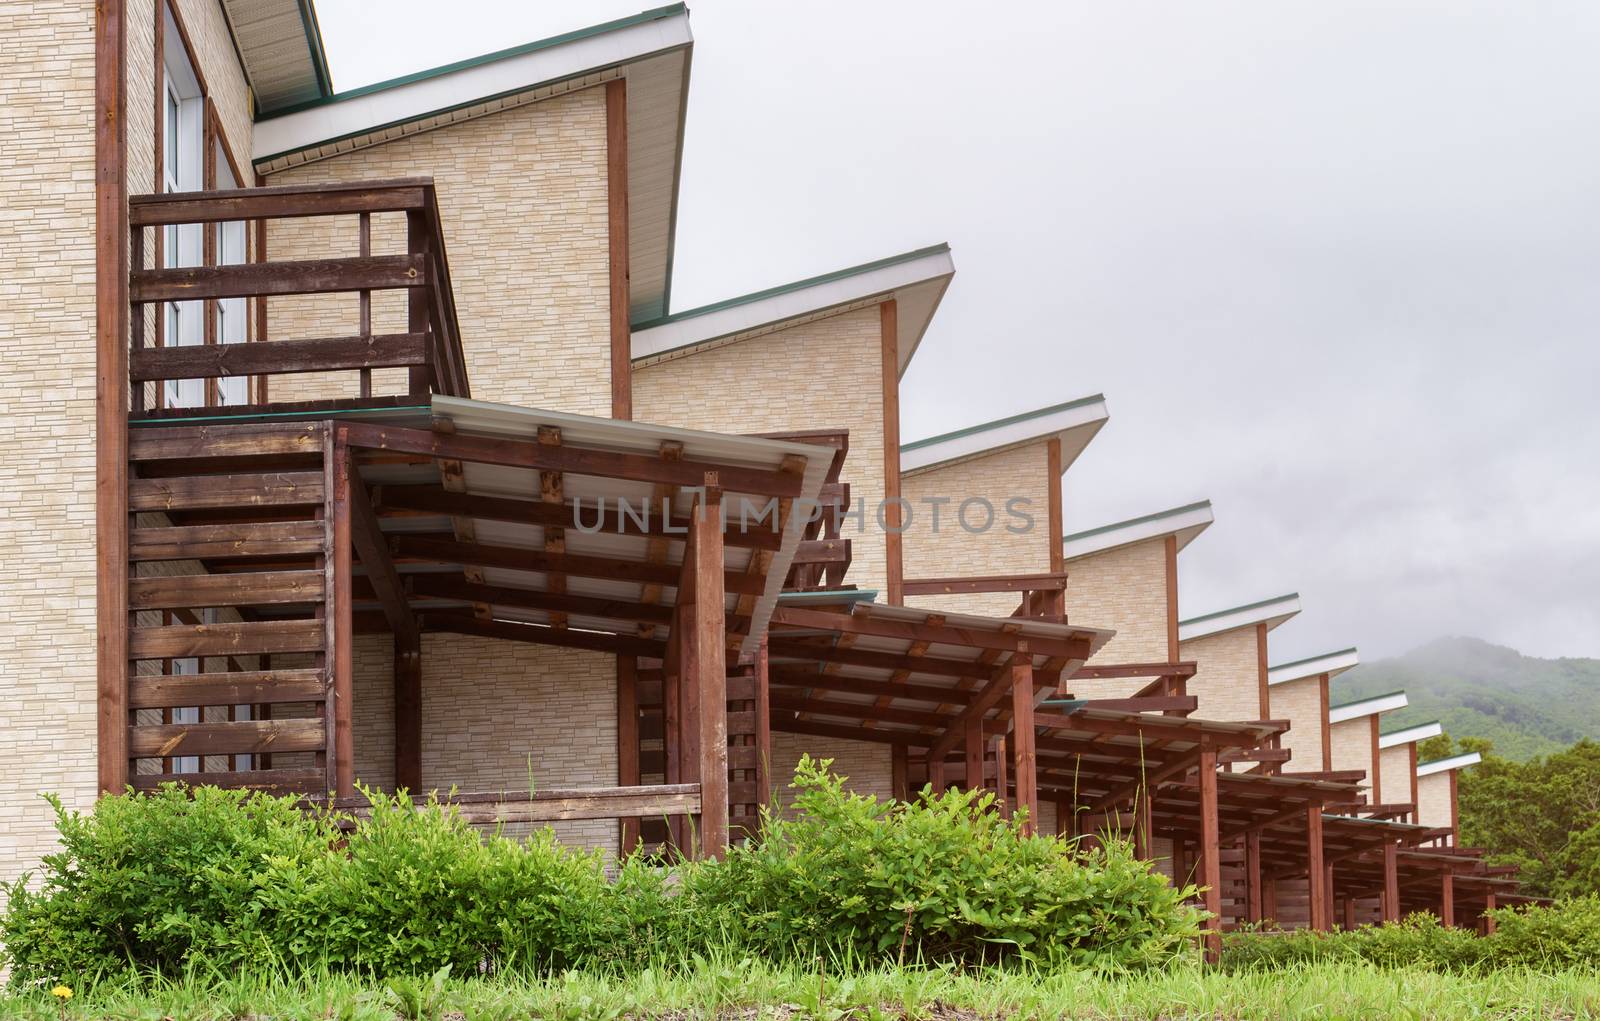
1074, 422
1331, 663
1271, 612
280, 51
1184, 522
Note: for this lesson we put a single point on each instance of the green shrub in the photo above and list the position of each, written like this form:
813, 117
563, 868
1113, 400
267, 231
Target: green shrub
1564, 935
943, 878
1418, 940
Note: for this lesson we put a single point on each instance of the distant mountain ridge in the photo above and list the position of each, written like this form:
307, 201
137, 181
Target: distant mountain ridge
1527, 706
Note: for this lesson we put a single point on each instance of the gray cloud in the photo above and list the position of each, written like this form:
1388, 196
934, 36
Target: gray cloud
1334, 265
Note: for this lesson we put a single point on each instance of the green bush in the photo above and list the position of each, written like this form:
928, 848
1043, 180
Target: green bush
942, 878
229, 880
1565, 935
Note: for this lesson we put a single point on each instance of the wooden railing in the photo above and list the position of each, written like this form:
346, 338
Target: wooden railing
430, 347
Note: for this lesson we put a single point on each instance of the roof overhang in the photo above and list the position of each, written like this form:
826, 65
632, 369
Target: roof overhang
1410, 735
1184, 523
1367, 707
1075, 423
651, 51
1331, 663
1453, 762
915, 280
280, 51
1270, 612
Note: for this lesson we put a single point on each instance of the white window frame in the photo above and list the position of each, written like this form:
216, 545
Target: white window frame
182, 169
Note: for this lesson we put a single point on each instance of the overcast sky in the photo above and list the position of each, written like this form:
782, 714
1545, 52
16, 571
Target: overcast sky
1335, 267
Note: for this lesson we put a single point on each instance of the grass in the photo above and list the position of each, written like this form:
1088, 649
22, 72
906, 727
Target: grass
758, 991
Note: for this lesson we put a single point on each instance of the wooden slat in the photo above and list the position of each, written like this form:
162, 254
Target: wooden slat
541, 562
190, 442
245, 687
445, 586
274, 203
739, 757
243, 639
284, 781
249, 588
992, 583
271, 489
280, 357
231, 540
267, 279
251, 737
464, 624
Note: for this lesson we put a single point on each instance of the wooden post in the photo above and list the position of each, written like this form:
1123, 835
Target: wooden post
617, 223
1002, 784
1056, 531
764, 793
936, 773
899, 772
1269, 900
1211, 854
1144, 824
709, 680
1391, 882
893, 547
1026, 763
1172, 598
1252, 873
1327, 727
111, 319
419, 242
1376, 777
1349, 914
1447, 898
1180, 861
342, 633
973, 749
672, 720
408, 712
628, 774
1327, 892
1488, 917
1263, 696
1315, 880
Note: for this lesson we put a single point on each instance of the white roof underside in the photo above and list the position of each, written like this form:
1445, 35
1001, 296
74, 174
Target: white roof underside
1271, 612
1453, 762
275, 48
1410, 735
653, 56
1185, 523
1074, 424
917, 285
1367, 707
1333, 664
481, 418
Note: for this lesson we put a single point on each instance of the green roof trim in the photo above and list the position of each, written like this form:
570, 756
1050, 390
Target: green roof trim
1144, 519
1310, 659
1405, 727
1447, 758
1000, 423
319, 58
1369, 698
798, 285
259, 415
836, 595
641, 18
1238, 609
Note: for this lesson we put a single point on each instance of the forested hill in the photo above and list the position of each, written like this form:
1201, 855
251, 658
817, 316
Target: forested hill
1526, 706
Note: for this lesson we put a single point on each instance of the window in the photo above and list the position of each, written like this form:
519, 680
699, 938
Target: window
232, 321
182, 169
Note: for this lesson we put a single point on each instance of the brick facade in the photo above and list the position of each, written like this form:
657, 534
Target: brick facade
1227, 674
1299, 702
1352, 745
1126, 589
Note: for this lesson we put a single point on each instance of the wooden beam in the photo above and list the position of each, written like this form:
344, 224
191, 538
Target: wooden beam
431, 585
1391, 882
808, 679
1022, 740
1171, 547
986, 583
1211, 855
541, 562
708, 673
1320, 918
973, 745
628, 772
617, 268
408, 711
889, 335
271, 279
1252, 871
1090, 671
252, 687
341, 605
1447, 898
251, 737
1263, 697
1376, 794
933, 630
230, 539
111, 332
465, 624
1326, 723
279, 202
1054, 519
281, 357
368, 541
577, 460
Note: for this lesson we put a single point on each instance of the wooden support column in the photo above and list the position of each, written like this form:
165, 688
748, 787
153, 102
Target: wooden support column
617, 221
1180, 861
628, 743
764, 726
936, 773
1327, 726
1002, 782
1327, 892
1488, 917
1376, 776
1058, 552
1269, 900
1318, 888
899, 772
408, 712
1252, 874
709, 678
672, 720
889, 333
1391, 882
1447, 898
111, 320
1144, 824
1210, 854
1349, 914
972, 746
1263, 695
1022, 738
341, 630
1172, 599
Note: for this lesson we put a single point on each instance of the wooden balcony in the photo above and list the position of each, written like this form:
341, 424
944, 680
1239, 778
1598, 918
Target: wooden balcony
429, 347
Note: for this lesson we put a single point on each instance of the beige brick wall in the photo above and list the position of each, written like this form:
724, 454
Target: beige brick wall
1124, 589
1300, 702
820, 375
1395, 774
47, 649
1352, 745
496, 714
1433, 799
1021, 474
1226, 676
522, 195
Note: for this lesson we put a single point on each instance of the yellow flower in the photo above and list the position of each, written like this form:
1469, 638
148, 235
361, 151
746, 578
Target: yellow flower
61, 993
